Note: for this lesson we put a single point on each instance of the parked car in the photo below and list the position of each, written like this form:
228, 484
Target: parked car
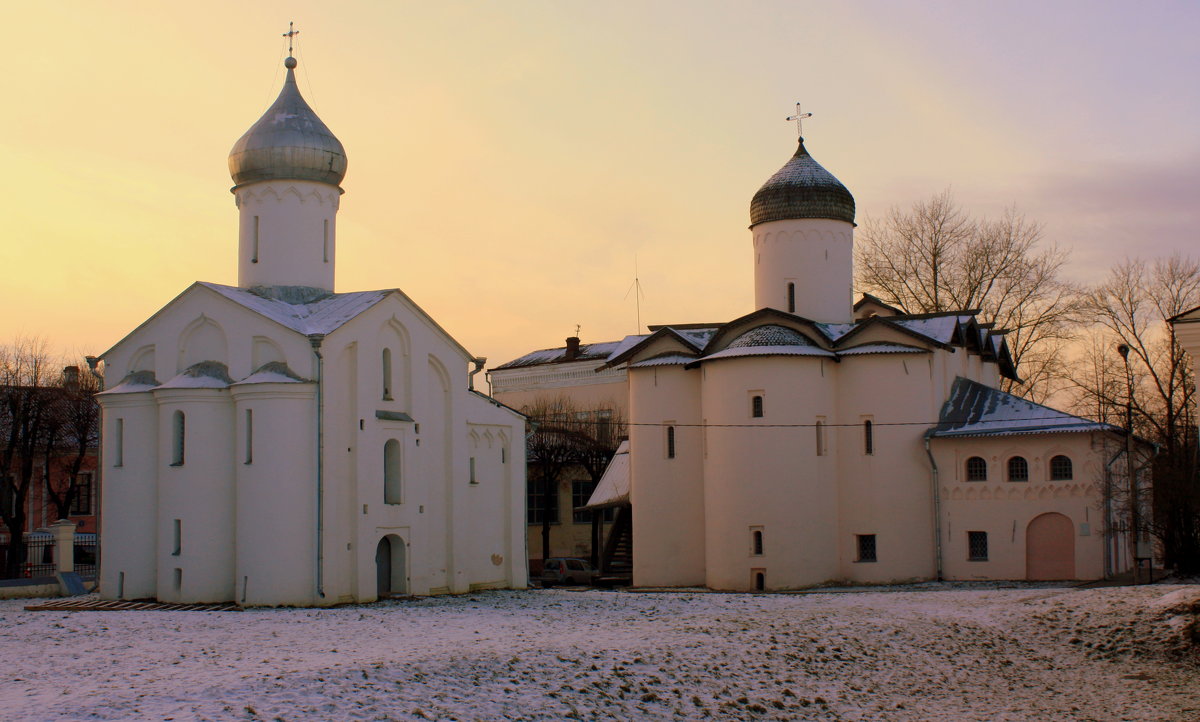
568, 570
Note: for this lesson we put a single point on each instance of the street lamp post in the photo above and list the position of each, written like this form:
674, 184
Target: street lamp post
1133, 489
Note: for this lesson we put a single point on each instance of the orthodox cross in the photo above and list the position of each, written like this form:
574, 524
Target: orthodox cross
799, 118
292, 32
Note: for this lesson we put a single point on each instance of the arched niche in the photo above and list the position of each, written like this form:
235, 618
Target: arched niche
143, 360
202, 340
394, 363
264, 351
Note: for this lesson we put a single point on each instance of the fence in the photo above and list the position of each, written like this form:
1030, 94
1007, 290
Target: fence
39, 558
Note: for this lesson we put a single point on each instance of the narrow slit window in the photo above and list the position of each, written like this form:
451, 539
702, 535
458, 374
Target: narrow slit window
760, 581
791, 297
178, 579
254, 243
472, 471
820, 432
177, 537
756, 407
178, 438
756, 540
868, 438
386, 371
325, 242
119, 443
249, 436
392, 490
670, 442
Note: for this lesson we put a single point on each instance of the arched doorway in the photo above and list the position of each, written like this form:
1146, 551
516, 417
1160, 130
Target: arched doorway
391, 567
1050, 548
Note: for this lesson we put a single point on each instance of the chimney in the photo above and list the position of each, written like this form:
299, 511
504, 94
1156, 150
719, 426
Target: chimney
70, 376
572, 349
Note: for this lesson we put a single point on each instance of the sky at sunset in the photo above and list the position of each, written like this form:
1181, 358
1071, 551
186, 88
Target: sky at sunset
508, 161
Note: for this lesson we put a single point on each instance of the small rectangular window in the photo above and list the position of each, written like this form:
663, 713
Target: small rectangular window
756, 541
177, 537
866, 548
326, 240
868, 437
472, 468
503, 455
791, 297
119, 443
756, 407
977, 546
178, 579
670, 442
820, 436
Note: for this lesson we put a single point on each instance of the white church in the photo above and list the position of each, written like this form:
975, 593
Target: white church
279, 443
819, 440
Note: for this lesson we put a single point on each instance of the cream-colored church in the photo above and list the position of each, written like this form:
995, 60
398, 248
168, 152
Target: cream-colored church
816, 439
278, 443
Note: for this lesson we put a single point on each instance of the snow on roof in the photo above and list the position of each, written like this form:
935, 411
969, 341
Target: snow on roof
977, 410
670, 359
204, 375
613, 489
587, 352
938, 328
834, 331
736, 352
627, 343
133, 383
881, 347
698, 337
275, 372
324, 315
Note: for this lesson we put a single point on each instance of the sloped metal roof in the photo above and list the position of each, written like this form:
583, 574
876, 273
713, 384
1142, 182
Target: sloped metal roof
321, 316
974, 409
613, 489
587, 352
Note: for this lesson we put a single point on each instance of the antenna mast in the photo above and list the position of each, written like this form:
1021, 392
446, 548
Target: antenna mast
638, 295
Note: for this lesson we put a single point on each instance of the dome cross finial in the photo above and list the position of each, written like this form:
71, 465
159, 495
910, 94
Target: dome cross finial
293, 32
799, 118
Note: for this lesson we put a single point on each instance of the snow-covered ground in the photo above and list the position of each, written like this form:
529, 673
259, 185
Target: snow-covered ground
1028, 653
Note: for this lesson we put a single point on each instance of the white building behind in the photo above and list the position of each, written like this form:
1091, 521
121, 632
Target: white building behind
277, 443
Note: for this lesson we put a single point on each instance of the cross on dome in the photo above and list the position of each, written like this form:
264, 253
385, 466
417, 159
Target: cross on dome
799, 118
293, 32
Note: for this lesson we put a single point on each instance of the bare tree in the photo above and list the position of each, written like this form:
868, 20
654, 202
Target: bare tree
76, 434
1131, 307
27, 416
935, 257
550, 449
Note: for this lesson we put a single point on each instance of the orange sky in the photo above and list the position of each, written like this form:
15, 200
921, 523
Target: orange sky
508, 161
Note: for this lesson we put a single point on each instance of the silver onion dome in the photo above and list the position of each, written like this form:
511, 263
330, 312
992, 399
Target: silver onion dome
289, 142
802, 188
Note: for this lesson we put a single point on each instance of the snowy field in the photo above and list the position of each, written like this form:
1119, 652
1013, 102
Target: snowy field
1029, 653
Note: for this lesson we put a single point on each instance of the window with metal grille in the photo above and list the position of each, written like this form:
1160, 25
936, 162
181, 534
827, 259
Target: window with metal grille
670, 442
977, 550
756, 407
1018, 469
868, 438
866, 548
535, 503
976, 469
1060, 469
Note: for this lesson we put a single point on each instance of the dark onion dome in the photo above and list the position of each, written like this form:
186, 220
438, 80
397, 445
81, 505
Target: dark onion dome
289, 142
802, 188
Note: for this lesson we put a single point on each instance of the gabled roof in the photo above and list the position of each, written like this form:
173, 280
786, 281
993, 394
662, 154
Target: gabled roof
321, 315
692, 339
587, 352
877, 301
974, 409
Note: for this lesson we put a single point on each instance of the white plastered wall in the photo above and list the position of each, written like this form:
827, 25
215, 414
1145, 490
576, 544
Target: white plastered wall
286, 233
817, 255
